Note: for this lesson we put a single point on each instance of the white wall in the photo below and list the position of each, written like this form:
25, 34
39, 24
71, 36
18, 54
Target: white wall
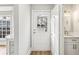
24, 28
42, 6
76, 20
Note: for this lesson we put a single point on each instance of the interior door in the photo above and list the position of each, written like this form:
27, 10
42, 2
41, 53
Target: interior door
40, 30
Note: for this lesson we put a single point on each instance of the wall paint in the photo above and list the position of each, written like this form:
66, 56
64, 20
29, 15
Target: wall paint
24, 28
76, 20
42, 6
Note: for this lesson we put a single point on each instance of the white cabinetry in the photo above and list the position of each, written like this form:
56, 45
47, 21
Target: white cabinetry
71, 46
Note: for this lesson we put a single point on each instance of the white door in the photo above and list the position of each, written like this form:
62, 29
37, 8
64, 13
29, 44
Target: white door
40, 30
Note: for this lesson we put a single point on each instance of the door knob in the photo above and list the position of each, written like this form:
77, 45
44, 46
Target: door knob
34, 32
34, 29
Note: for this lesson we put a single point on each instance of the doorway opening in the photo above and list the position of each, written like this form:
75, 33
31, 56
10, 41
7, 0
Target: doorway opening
71, 30
44, 19
6, 30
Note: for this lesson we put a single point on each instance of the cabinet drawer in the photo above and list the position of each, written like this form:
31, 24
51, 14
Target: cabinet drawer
71, 40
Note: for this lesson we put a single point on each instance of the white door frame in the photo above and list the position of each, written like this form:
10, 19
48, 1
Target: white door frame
59, 42
61, 32
61, 28
55, 30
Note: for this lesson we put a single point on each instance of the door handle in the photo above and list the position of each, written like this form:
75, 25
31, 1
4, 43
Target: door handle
73, 46
34, 31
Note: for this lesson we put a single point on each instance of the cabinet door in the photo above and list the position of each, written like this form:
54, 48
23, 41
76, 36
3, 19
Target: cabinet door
71, 48
68, 49
76, 49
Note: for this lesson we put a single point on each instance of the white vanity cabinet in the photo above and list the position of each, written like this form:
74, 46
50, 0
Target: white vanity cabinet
71, 46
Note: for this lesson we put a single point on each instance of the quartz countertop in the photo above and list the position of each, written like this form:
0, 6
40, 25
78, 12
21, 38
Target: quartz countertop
71, 36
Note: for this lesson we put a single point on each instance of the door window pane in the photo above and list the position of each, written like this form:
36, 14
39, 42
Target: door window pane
4, 26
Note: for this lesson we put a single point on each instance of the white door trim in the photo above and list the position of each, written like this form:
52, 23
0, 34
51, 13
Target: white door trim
61, 41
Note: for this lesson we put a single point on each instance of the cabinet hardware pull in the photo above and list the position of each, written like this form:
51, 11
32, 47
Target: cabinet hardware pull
73, 40
74, 46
